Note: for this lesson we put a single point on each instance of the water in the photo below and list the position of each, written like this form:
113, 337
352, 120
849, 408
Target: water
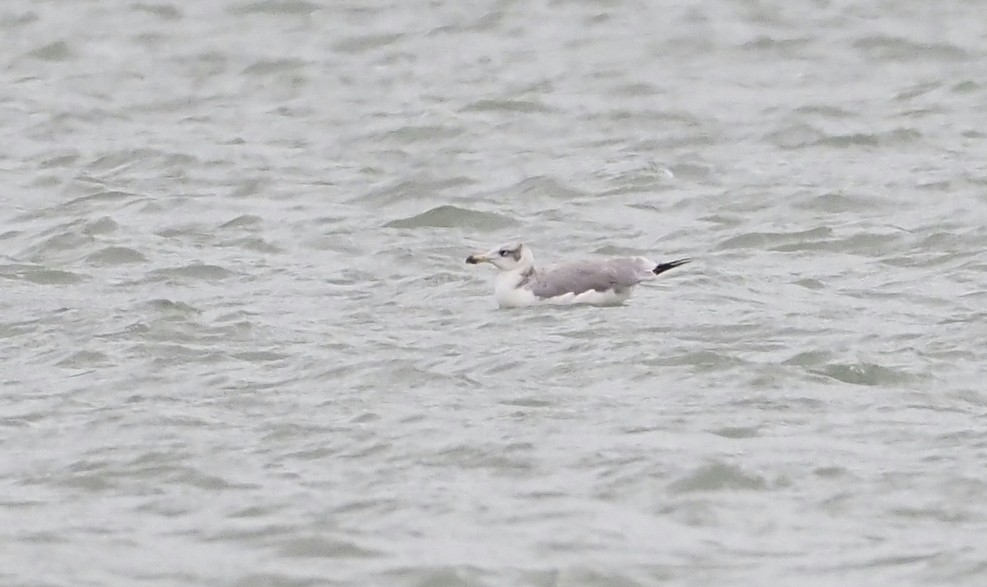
240, 346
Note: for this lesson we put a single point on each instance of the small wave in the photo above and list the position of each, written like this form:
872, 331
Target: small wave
454, 217
505, 105
170, 307
84, 359
242, 220
275, 7
717, 477
116, 256
55, 51
767, 240
893, 48
364, 43
193, 271
39, 274
869, 374
543, 185
272, 66
320, 547
162, 11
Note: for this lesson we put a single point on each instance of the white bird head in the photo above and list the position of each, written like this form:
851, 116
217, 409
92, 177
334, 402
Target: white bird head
512, 257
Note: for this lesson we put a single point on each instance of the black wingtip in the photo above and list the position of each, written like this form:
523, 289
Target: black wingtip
663, 267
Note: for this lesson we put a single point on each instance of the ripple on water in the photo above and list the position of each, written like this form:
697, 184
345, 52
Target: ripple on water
115, 256
323, 547
85, 359
736, 431
163, 10
766, 240
194, 271
170, 307
54, 51
103, 225
455, 217
869, 374
505, 105
89, 201
542, 185
365, 43
40, 274
243, 220
717, 477
839, 202
274, 7
417, 189
882, 47
275, 66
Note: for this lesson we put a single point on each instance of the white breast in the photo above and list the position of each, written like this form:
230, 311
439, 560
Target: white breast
509, 295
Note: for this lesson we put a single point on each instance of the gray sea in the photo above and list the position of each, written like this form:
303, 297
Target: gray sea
239, 345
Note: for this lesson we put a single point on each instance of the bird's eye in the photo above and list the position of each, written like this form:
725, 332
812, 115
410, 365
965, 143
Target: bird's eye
503, 252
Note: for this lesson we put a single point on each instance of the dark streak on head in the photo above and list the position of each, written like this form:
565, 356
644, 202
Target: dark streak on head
516, 252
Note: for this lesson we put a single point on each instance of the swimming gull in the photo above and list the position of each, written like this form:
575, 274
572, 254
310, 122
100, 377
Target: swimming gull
602, 282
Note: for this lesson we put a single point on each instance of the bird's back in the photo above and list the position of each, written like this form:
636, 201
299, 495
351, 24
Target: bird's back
593, 274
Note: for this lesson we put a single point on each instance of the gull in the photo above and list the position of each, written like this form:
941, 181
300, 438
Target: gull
598, 282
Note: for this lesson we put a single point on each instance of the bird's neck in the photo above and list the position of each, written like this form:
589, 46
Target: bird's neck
509, 287
516, 278
525, 275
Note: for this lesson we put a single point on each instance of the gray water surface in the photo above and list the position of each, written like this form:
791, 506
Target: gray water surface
239, 345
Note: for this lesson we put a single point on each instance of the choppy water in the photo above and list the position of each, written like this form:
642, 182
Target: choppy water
240, 346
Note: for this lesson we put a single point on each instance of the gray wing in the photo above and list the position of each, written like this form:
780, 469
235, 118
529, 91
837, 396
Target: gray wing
583, 276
